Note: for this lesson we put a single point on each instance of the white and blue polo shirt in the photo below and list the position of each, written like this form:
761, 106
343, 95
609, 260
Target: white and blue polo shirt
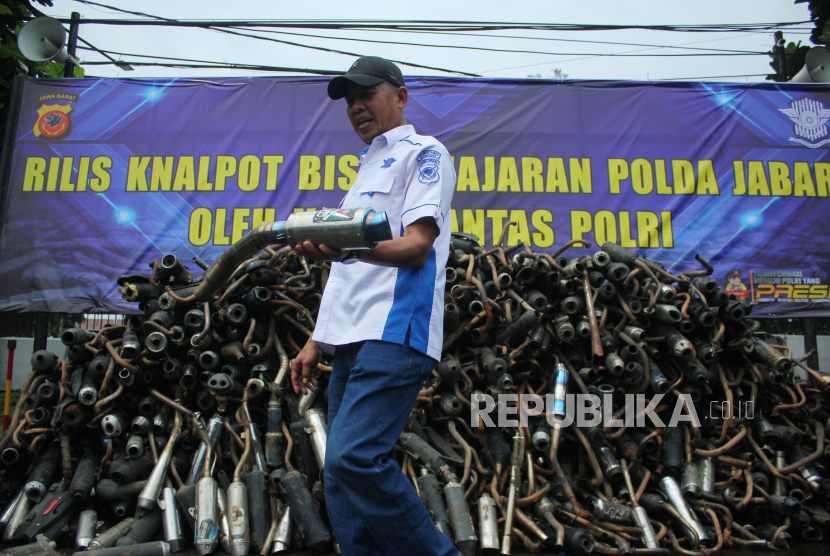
410, 177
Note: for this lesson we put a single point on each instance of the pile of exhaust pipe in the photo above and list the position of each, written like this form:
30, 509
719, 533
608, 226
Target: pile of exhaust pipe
179, 430
622, 332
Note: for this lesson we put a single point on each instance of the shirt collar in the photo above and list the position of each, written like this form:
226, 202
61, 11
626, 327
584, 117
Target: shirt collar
394, 135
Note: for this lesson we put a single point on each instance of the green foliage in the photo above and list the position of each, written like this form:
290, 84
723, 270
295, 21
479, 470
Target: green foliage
15, 395
556, 73
795, 54
61, 321
820, 14
12, 62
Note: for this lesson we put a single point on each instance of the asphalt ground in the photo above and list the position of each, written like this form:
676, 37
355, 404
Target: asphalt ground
799, 548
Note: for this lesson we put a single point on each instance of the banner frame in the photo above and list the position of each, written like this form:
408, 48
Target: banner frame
12, 123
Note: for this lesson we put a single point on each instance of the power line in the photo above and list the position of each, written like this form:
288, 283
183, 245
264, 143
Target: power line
212, 64
197, 64
561, 62
324, 49
569, 40
90, 3
90, 46
714, 51
426, 27
164, 20
711, 77
432, 26
438, 33
421, 24
245, 67
229, 65
500, 37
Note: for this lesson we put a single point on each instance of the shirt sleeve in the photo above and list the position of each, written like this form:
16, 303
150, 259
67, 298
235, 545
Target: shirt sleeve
430, 183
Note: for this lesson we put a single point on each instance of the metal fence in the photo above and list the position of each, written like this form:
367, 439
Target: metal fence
22, 325
95, 321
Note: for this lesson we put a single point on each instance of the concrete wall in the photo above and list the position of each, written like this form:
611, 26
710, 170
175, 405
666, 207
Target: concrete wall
796, 343
22, 359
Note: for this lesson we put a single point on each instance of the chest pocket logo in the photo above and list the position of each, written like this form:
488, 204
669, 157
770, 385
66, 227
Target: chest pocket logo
428, 166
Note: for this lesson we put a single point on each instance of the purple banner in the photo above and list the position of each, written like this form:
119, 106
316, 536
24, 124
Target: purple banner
108, 175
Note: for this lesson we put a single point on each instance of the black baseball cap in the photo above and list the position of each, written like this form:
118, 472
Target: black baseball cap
366, 72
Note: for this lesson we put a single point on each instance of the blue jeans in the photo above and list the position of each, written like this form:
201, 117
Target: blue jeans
372, 506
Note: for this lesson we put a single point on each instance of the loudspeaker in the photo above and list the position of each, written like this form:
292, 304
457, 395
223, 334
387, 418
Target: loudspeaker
43, 40
816, 67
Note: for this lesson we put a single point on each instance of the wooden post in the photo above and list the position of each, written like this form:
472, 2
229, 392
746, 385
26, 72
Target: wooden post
810, 343
780, 57
71, 44
8, 407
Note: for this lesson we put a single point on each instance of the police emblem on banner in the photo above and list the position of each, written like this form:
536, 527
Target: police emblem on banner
810, 119
54, 122
428, 166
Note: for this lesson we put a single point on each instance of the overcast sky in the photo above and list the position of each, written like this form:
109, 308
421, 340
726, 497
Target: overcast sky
571, 58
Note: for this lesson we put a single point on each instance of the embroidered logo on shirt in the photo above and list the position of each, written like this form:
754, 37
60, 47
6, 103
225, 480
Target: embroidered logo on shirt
388, 163
428, 166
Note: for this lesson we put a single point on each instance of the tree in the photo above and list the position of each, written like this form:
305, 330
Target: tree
16, 13
795, 54
61, 321
556, 72
820, 14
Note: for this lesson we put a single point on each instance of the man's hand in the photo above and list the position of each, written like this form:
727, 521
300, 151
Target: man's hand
320, 253
304, 371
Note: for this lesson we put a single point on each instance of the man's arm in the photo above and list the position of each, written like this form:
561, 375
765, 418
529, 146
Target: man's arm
408, 251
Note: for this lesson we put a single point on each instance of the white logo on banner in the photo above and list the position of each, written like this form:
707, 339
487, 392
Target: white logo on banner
810, 118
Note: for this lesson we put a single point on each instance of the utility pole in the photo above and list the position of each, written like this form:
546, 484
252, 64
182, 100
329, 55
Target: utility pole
42, 319
810, 343
41, 331
780, 58
72, 44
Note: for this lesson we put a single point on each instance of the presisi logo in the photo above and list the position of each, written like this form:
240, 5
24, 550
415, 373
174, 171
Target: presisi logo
810, 118
53, 122
787, 286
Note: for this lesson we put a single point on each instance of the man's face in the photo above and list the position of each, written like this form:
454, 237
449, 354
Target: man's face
735, 280
375, 110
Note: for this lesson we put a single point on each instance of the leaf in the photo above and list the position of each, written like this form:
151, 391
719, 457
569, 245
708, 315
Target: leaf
52, 69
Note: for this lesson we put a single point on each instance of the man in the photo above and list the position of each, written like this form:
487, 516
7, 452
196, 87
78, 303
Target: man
382, 316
